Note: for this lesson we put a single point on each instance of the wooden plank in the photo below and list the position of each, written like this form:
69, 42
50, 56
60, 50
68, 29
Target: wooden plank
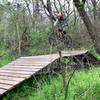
9, 82
43, 56
2, 91
19, 71
28, 64
73, 53
5, 86
36, 59
25, 64
26, 67
15, 75
11, 78
32, 62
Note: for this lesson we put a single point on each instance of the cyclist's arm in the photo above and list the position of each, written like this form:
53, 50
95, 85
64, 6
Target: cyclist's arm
56, 22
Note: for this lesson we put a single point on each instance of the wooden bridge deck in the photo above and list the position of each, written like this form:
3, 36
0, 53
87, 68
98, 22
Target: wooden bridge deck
23, 68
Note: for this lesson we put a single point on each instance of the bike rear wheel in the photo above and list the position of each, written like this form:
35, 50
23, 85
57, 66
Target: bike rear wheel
68, 41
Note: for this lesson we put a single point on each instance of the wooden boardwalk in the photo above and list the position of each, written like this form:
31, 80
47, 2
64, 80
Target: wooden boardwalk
23, 68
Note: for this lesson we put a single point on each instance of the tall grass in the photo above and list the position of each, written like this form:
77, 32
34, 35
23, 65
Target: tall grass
85, 85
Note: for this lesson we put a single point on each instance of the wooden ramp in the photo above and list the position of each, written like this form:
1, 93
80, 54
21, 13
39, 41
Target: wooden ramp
23, 68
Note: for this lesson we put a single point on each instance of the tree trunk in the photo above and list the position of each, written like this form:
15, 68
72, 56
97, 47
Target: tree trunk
19, 41
91, 30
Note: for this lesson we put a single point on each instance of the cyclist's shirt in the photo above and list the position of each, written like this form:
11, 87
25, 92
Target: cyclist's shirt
59, 23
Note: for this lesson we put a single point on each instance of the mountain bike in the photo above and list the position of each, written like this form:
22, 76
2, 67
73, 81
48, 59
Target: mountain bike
66, 39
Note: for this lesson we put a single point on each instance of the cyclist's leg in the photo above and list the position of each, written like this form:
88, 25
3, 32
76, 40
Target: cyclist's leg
59, 36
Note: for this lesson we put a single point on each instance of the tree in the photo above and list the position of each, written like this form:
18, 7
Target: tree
89, 25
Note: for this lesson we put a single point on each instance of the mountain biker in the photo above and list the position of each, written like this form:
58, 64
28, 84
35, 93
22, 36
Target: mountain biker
58, 25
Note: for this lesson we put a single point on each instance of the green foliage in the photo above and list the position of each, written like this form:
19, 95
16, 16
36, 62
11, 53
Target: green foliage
93, 51
38, 38
39, 44
97, 56
5, 58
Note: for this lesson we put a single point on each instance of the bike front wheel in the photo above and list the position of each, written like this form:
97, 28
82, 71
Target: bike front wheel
52, 40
